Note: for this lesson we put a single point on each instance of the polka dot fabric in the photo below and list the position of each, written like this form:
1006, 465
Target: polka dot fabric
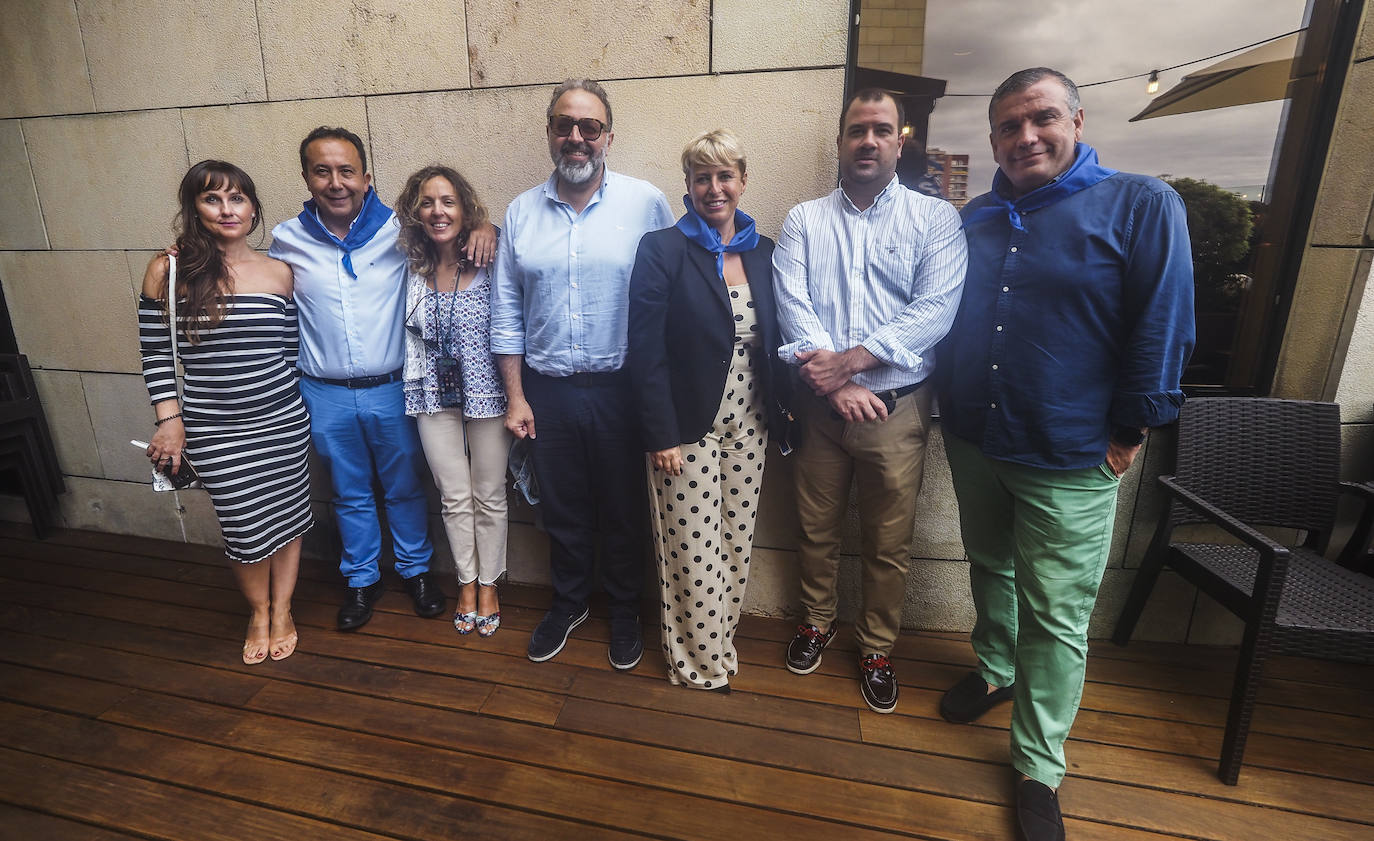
703, 521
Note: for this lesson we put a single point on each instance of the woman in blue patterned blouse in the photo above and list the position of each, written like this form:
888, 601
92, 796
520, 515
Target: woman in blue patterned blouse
452, 387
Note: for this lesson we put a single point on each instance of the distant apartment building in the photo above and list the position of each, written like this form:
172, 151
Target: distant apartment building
950, 172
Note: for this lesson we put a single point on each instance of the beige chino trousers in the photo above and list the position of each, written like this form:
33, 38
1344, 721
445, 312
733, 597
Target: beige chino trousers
886, 461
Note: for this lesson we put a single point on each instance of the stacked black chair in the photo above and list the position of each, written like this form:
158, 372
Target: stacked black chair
26, 446
1245, 463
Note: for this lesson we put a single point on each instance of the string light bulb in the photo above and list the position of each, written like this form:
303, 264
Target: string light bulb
1152, 86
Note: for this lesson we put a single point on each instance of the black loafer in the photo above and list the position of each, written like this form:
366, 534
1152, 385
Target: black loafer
878, 683
1037, 812
804, 651
429, 599
967, 700
627, 643
357, 609
551, 634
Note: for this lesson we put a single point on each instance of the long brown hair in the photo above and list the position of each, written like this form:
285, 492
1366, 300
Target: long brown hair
202, 275
412, 240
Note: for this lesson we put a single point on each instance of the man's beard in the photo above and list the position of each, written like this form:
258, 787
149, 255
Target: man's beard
578, 174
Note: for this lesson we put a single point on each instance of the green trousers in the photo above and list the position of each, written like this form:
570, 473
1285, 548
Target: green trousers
1037, 542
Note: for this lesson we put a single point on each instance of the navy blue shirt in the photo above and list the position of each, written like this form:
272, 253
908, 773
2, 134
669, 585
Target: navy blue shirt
1081, 322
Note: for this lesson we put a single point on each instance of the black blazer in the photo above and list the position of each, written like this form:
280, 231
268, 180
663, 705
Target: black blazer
682, 335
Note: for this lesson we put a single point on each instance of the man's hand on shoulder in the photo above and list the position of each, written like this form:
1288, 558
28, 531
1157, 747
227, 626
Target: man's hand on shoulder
857, 404
481, 247
825, 370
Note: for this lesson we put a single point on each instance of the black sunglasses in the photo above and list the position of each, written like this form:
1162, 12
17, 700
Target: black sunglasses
590, 127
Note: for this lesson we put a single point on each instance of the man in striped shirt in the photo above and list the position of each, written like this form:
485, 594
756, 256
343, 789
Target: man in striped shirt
868, 280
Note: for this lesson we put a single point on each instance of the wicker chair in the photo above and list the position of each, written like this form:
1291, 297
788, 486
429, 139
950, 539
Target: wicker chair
1247, 462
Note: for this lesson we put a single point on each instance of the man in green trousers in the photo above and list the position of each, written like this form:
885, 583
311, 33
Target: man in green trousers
1074, 328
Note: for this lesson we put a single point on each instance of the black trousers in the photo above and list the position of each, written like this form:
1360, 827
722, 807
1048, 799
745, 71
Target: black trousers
590, 467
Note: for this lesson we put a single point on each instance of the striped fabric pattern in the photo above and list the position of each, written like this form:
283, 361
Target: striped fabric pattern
247, 431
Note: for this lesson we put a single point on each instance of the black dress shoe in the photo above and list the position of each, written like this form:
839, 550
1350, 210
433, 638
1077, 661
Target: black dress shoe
804, 652
357, 609
967, 700
1037, 812
878, 683
428, 598
627, 642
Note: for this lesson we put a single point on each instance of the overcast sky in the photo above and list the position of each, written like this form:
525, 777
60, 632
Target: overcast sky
975, 44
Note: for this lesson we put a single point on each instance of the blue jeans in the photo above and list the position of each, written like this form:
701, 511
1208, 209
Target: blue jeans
358, 432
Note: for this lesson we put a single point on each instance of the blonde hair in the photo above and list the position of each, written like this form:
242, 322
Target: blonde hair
718, 147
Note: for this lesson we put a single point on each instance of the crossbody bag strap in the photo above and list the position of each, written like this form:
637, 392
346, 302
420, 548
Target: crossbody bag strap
172, 319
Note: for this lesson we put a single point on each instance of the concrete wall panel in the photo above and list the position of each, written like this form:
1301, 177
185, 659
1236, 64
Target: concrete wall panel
64, 405
752, 36
264, 139
120, 411
35, 32
531, 42
937, 596
1356, 390
135, 508
1166, 614
108, 180
21, 221
790, 145
161, 53
495, 138
314, 48
774, 588
72, 310
1343, 202
1313, 329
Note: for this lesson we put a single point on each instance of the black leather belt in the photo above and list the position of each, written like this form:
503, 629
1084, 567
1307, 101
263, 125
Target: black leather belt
361, 382
894, 393
585, 379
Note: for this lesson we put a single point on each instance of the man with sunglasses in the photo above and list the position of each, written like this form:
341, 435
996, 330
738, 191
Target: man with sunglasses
868, 279
558, 330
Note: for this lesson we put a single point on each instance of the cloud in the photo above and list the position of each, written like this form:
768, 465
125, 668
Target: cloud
975, 44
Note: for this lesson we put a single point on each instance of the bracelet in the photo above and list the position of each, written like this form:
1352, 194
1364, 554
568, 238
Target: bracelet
161, 421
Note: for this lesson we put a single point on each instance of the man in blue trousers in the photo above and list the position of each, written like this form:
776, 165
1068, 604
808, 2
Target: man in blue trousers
350, 292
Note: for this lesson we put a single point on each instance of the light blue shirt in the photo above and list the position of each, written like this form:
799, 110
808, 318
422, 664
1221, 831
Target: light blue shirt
561, 290
888, 278
349, 327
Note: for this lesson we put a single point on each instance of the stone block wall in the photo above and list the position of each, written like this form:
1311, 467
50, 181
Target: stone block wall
892, 35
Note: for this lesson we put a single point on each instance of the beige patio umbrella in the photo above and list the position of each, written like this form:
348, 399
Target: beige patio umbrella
1256, 75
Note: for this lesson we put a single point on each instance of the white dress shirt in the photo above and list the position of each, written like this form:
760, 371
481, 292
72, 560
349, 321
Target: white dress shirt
888, 278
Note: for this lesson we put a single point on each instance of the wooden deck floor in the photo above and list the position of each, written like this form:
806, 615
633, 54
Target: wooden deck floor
124, 713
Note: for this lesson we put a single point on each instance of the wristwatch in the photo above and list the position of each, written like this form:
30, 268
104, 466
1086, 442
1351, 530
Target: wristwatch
1128, 436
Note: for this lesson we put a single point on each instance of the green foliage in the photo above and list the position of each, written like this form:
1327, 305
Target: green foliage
1220, 224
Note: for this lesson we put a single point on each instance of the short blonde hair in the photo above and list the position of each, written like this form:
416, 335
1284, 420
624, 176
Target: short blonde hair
718, 147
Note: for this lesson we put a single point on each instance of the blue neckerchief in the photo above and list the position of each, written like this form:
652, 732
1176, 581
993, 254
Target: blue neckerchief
1084, 173
370, 219
697, 230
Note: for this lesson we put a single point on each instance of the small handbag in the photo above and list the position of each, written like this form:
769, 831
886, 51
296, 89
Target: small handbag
186, 476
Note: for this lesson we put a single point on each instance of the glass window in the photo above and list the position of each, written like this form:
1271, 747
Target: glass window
1235, 122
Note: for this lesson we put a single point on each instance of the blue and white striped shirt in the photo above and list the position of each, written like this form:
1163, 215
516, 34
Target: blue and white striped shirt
561, 290
888, 278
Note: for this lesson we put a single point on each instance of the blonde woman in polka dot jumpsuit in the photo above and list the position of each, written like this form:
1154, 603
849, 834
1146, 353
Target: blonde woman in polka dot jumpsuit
703, 336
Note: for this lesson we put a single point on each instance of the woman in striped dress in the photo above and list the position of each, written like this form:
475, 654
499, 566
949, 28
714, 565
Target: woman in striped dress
242, 424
